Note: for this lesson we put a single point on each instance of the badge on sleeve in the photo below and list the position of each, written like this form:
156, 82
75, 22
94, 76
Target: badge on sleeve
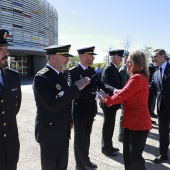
58, 87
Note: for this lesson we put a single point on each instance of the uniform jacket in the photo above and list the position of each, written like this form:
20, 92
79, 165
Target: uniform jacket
85, 103
53, 99
134, 96
124, 76
111, 76
9, 106
163, 92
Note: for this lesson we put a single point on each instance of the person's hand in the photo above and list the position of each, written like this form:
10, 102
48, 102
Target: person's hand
116, 91
83, 82
103, 96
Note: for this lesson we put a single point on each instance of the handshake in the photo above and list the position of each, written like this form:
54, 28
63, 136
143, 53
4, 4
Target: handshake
103, 95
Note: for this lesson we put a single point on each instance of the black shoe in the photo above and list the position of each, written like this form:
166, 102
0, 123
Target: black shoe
80, 167
120, 140
115, 149
153, 115
160, 159
90, 164
109, 153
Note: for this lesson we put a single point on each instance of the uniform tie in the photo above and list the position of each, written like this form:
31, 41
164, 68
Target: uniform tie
62, 78
160, 76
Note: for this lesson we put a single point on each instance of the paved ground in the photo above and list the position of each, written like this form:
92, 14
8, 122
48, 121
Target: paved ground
29, 152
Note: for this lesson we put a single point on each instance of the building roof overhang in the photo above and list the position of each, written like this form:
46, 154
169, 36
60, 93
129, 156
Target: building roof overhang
26, 51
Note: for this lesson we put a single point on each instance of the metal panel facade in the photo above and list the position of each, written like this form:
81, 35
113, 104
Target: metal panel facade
31, 23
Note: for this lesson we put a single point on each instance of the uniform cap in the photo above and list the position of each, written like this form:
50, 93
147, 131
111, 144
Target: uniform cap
59, 49
117, 52
87, 50
3, 35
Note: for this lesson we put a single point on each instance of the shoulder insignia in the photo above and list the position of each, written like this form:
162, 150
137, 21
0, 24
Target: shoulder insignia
11, 69
42, 71
72, 68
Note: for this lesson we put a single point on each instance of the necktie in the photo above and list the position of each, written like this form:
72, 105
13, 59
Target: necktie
62, 78
160, 77
87, 72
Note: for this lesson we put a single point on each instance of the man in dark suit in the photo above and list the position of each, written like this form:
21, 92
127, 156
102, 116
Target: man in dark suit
124, 77
110, 76
10, 97
53, 99
84, 106
152, 98
160, 85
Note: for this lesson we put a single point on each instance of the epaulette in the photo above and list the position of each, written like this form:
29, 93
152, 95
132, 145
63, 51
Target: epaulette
13, 70
42, 71
72, 68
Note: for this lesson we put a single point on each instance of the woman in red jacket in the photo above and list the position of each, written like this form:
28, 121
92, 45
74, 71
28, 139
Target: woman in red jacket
137, 120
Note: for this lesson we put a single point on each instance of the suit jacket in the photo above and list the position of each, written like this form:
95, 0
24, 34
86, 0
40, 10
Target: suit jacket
134, 96
9, 107
152, 68
163, 92
111, 76
85, 102
53, 99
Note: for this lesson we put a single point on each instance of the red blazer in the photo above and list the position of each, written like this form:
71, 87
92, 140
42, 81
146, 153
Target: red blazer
135, 97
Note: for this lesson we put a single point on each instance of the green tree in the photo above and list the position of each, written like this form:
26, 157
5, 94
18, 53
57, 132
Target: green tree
147, 51
73, 61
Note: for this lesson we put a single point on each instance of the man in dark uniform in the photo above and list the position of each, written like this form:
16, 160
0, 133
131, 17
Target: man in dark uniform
84, 106
160, 85
10, 98
53, 99
110, 76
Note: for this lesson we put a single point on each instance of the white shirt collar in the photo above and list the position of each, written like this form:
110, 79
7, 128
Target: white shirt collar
82, 65
164, 65
53, 68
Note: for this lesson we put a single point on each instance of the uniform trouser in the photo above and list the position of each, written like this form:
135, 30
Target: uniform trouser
133, 146
11, 167
163, 133
82, 131
108, 127
121, 130
54, 157
4, 165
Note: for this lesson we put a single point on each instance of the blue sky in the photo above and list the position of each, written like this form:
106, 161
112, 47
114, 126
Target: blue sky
108, 23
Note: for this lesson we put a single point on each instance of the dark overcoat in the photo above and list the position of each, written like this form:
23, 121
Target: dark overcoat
111, 76
9, 106
163, 91
53, 100
85, 103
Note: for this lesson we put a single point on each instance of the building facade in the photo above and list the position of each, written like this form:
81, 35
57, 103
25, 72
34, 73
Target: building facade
32, 25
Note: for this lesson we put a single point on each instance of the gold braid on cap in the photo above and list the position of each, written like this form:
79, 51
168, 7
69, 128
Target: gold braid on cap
62, 53
89, 52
